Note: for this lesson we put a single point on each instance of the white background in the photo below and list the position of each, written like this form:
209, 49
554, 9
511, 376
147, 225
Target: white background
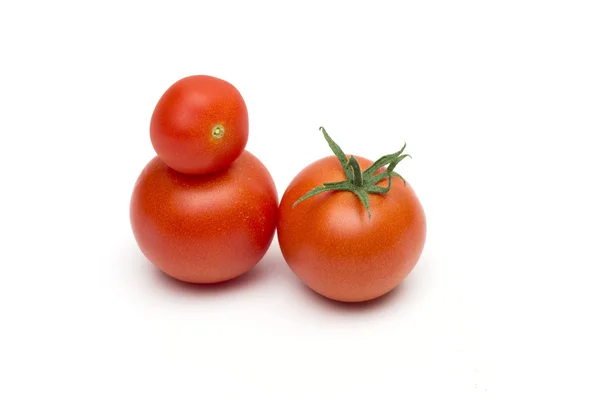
499, 103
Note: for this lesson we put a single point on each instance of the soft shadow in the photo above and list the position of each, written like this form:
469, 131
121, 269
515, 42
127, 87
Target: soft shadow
256, 275
389, 299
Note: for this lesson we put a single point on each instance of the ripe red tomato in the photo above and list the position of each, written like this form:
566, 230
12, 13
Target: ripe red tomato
332, 244
204, 228
200, 125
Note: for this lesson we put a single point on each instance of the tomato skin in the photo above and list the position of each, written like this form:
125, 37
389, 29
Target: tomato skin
182, 124
204, 228
331, 245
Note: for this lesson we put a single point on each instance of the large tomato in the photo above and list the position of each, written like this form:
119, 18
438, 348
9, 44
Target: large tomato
204, 228
356, 237
200, 125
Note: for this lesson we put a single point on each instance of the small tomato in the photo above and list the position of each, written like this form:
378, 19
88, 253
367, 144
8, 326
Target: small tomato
200, 125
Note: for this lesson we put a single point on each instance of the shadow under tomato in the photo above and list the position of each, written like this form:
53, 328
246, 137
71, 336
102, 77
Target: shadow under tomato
256, 275
390, 299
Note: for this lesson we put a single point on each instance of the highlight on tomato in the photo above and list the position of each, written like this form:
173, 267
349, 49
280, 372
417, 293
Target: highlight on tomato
349, 228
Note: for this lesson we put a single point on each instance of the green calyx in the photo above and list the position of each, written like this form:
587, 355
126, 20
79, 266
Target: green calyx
361, 183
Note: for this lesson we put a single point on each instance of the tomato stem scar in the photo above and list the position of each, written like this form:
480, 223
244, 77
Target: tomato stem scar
218, 131
361, 183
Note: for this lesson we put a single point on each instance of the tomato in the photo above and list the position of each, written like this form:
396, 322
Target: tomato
337, 246
200, 125
204, 228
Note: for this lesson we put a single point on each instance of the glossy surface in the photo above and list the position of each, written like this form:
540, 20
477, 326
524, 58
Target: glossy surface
204, 228
200, 125
332, 246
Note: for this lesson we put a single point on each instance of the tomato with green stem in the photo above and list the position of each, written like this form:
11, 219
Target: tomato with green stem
349, 228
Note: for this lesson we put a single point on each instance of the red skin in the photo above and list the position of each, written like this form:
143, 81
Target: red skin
205, 228
181, 129
330, 244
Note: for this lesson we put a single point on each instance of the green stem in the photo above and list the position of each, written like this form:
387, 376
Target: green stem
357, 176
361, 183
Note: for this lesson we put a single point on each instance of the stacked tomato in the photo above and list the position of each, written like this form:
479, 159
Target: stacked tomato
205, 209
